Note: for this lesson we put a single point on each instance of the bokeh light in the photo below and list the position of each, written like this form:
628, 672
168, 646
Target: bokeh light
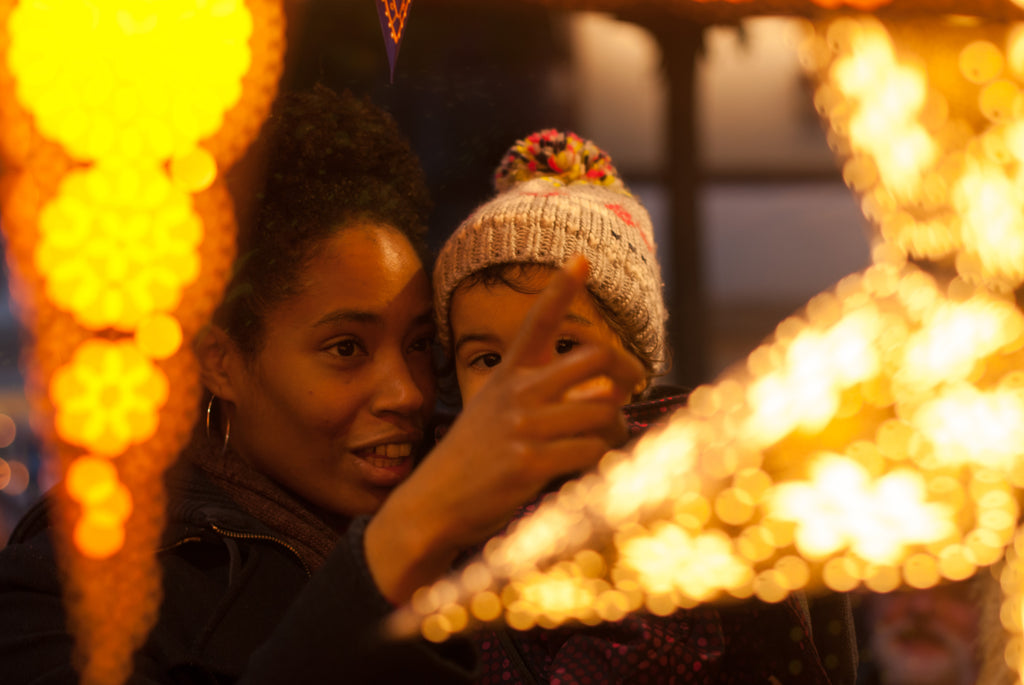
15, 477
159, 336
108, 396
146, 81
8, 430
118, 120
118, 244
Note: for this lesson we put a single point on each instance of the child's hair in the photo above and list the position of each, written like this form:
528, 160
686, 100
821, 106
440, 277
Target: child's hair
559, 195
333, 159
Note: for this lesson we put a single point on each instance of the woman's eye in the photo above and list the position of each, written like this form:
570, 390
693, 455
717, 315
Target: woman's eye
346, 348
564, 345
488, 360
422, 344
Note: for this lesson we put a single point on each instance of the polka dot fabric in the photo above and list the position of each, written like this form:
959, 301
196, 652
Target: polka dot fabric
645, 650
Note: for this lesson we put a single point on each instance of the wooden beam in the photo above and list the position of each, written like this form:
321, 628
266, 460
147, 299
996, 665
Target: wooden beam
681, 41
729, 11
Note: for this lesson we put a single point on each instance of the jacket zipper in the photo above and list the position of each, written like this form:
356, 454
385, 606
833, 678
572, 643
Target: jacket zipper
265, 538
178, 543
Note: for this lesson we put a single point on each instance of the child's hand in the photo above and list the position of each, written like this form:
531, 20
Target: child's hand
526, 427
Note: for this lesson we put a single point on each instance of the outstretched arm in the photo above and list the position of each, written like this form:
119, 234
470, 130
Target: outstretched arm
527, 426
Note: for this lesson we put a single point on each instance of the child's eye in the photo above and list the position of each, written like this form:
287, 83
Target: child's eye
488, 360
565, 345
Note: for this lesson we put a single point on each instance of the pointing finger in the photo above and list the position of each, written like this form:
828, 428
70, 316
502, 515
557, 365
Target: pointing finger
534, 345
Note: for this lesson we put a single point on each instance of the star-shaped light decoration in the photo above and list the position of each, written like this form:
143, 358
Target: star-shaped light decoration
393, 15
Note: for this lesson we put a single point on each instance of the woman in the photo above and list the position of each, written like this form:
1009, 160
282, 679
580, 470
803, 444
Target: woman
297, 520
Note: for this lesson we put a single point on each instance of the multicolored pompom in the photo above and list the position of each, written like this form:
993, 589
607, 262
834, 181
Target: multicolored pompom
563, 157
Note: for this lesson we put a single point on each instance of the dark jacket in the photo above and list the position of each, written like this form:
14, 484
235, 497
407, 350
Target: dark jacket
743, 643
239, 606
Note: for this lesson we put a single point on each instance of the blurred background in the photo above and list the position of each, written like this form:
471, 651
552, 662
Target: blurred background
713, 127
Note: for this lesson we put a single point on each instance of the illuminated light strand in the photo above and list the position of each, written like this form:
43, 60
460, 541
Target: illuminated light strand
117, 245
396, 11
878, 516
156, 126
108, 397
723, 11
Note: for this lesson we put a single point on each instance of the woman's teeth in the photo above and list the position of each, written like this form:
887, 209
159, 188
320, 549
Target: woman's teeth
391, 454
393, 450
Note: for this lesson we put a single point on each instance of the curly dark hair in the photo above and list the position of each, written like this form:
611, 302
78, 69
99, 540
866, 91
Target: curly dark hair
333, 159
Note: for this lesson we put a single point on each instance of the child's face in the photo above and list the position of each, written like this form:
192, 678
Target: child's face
485, 319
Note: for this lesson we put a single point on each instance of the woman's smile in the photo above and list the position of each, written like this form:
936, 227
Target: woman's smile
387, 464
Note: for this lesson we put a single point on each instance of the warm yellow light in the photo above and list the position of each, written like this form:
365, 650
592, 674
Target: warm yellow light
159, 336
998, 100
967, 426
91, 479
108, 396
954, 338
130, 80
667, 559
98, 537
486, 606
992, 230
106, 105
194, 170
117, 245
981, 61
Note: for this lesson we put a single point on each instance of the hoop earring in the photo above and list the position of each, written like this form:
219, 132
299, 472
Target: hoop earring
209, 412
227, 426
227, 436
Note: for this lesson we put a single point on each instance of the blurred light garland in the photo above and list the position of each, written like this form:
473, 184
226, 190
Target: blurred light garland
875, 440
117, 120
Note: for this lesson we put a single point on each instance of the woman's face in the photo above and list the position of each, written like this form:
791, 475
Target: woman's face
486, 318
334, 404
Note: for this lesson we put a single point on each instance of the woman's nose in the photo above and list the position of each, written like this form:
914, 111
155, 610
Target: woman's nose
401, 390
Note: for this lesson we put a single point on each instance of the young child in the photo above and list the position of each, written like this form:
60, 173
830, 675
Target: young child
559, 195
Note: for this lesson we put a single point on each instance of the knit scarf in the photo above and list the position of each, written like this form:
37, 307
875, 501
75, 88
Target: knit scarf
261, 497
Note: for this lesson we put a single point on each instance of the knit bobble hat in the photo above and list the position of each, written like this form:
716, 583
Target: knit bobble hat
559, 195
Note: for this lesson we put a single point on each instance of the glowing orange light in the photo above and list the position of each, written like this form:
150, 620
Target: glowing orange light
981, 61
18, 478
8, 430
91, 479
117, 223
98, 536
194, 171
159, 336
117, 245
872, 440
108, 397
